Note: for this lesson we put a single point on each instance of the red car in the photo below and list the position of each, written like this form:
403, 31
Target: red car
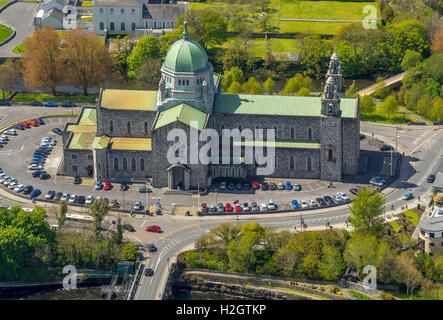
153, 229
238, 207
33, 123
25, 124
228, 207
255, 185
107, 186
204, 207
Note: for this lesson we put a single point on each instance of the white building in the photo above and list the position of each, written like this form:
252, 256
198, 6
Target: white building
130, 16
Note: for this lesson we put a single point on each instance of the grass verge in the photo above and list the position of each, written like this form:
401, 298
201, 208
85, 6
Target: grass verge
42, 97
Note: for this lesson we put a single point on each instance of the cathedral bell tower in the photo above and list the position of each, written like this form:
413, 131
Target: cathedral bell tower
331, 148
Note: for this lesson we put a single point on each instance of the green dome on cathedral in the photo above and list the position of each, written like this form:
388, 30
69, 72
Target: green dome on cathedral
186, 55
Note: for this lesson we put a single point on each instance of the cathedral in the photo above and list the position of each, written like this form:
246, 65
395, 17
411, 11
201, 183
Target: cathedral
125, 137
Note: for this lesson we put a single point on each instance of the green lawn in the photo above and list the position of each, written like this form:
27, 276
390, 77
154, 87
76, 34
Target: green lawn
359, 295
5, 32
414, 112
18, 49
3, 2
85, 4
380, 117
26, 97
86, 18
413, 217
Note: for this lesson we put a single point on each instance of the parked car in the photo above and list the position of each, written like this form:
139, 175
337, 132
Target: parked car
50, 104
204, 207
237, 207
303, 204
294, 204
128, 227
272, 186
50, 194
98, 185
222, 185
68, 104
343, 196
271, 205
44, 175
247, 186
35, 166
231, 186
220, 207
27, 189
89, 199
239, 186
212, 208
288, 185
337, 198
25, 125
123, 187
255, 185
377, 181
246, 207
11, 132
153, 229
408, 195
430, 178
263, 207
19, 188
228, 207
107, 186
5, 103
144, 189
281, 186
77, 180
354, 191
40, 121
264, 186
254, 206
35, 193
386, 147
57, 131
297, 187
35, 103
312, 203
114, 203
80, 200
58, 196
65, 197
19, 127
72, 198
137, 206
321, 202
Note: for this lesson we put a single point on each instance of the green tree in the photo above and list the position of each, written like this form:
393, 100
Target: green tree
206, 26
366, 210
407, 273
252, 86
425, 264
99, 209
235, 87
235, 74
303, 92
388, 13
146, 47
121, 49
149, 73
350, 59
9, 74
314, 55
292, 86
389, 106
60, 213
351, 91
269, 86
237, 55
331, 265
424, 105
436, 112
367, 105
118, 234
361, 251
381, 90
410, 60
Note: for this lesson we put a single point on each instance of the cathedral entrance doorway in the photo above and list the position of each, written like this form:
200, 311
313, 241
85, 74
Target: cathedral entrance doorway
90, 171
178, 177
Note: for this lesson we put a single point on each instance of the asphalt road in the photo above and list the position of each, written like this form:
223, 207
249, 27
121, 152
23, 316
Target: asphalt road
19, 16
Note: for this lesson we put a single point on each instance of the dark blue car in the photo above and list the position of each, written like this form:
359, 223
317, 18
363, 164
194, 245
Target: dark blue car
288, 185
35, 193
295, 204
39, 121
50, 104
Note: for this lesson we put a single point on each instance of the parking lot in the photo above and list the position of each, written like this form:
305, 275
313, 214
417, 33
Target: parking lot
15, 157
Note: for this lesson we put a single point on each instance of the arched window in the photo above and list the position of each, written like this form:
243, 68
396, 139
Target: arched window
125, 164
133, 11
112, 26
122, 11
112, 11
309, 163
133, 26
115, 164
142, 164
179, 82
128, 127
309, 133
102, 26
133, 165
101, 10
111, 126
146, 128
292, 133
291, 163
123, 26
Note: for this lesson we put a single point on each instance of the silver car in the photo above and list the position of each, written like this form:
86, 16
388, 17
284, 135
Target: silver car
89, 199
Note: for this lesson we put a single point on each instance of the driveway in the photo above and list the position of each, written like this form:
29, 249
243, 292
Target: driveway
19, 16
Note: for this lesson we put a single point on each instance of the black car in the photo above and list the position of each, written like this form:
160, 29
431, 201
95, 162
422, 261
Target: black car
57, 131
264, 186
35, 193
36, 103
431, 178
77, 180
19, 127
385, 147
247, 186
36, 174
149, 272
5, 103
152, 247
123, 187
144, 189
44, 175
239, 186
128, 227
328, 200
272, 186
321, 201
353, 191
58, 195
80, 199
27, 190
68, 104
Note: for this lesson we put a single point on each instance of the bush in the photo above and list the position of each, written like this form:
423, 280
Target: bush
387, 296
333, 289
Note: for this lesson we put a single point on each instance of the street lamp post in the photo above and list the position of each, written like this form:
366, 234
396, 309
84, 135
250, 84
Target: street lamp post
147, 199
